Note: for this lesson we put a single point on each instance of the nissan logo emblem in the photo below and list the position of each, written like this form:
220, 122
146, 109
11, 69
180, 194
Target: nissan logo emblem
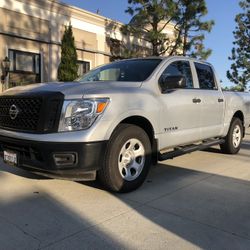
13, 112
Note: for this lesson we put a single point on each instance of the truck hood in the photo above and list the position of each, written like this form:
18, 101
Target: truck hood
73, 89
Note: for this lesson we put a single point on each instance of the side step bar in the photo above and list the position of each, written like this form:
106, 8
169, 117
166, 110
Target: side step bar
188, 149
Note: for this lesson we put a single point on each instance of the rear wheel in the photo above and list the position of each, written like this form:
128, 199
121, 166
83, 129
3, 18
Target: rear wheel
127, 159
234, 137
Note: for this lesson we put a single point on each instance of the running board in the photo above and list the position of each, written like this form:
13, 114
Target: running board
189, 149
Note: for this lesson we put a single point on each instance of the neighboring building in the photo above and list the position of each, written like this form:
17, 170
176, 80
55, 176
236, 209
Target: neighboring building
31, 32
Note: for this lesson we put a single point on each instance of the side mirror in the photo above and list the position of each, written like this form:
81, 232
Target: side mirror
172, 82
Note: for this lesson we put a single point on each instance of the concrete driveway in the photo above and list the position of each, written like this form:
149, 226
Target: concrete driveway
201, 200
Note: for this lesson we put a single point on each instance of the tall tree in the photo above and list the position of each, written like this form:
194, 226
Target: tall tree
191, 29
240, 68
68, 68
152, 17
149, 19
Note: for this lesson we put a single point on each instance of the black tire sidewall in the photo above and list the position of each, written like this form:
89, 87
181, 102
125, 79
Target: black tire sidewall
228, 147
118, 139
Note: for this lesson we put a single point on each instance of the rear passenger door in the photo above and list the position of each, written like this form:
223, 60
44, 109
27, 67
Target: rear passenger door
212, 101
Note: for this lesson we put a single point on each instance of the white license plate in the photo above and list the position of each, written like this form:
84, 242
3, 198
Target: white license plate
10, 158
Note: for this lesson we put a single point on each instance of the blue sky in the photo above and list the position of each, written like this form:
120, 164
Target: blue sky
219, 40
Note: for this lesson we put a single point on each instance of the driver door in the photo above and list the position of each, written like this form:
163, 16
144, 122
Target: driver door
181, 117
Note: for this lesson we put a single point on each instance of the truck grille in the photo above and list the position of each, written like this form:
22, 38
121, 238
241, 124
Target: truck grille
28, 116
25, 113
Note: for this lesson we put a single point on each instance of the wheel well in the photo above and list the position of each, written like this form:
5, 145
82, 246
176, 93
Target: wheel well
148, 128
240, 115
143, 123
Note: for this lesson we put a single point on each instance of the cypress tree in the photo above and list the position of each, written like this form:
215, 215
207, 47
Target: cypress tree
68, 68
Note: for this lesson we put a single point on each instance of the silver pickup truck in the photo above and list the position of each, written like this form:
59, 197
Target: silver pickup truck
119, 119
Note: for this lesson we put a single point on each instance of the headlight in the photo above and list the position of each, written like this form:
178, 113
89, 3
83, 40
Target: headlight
81, 114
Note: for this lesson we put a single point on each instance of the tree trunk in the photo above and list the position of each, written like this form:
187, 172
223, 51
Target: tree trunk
185, 41
155, 49
155, 31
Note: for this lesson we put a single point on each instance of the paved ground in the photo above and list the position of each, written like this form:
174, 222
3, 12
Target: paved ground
201, 200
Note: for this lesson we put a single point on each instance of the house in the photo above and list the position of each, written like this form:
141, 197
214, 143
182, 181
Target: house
30, 39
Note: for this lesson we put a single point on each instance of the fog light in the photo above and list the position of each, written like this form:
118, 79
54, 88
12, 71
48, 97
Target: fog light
65, 159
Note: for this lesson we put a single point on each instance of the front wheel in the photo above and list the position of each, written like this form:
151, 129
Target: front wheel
234, 137
127, 160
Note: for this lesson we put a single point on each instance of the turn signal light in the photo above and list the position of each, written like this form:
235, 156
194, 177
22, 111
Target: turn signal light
101, 106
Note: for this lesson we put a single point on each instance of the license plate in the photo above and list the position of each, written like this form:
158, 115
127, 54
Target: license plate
10, 158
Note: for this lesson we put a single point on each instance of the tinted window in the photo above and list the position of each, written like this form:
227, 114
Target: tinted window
25, 68
24, 62
83, 67
205, 76
137, 70
180, 68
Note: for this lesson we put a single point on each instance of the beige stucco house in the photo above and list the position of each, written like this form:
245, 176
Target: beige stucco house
31, 32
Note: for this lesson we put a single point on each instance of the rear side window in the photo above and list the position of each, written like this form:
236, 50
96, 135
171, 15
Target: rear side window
205, 76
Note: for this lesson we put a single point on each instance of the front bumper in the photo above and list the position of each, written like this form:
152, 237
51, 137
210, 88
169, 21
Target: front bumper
67, 160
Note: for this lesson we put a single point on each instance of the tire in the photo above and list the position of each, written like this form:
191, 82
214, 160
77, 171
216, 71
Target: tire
127, 159
234, 137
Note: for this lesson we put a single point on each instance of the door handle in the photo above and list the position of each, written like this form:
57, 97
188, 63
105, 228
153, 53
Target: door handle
196, 100
220, 100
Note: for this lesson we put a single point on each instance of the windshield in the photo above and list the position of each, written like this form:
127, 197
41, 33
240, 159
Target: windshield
136, 70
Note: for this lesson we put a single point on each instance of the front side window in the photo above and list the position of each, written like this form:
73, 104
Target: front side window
178, 69
205, 76
136, 70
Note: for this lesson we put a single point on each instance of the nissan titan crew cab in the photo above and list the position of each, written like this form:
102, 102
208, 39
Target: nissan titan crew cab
118, 119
